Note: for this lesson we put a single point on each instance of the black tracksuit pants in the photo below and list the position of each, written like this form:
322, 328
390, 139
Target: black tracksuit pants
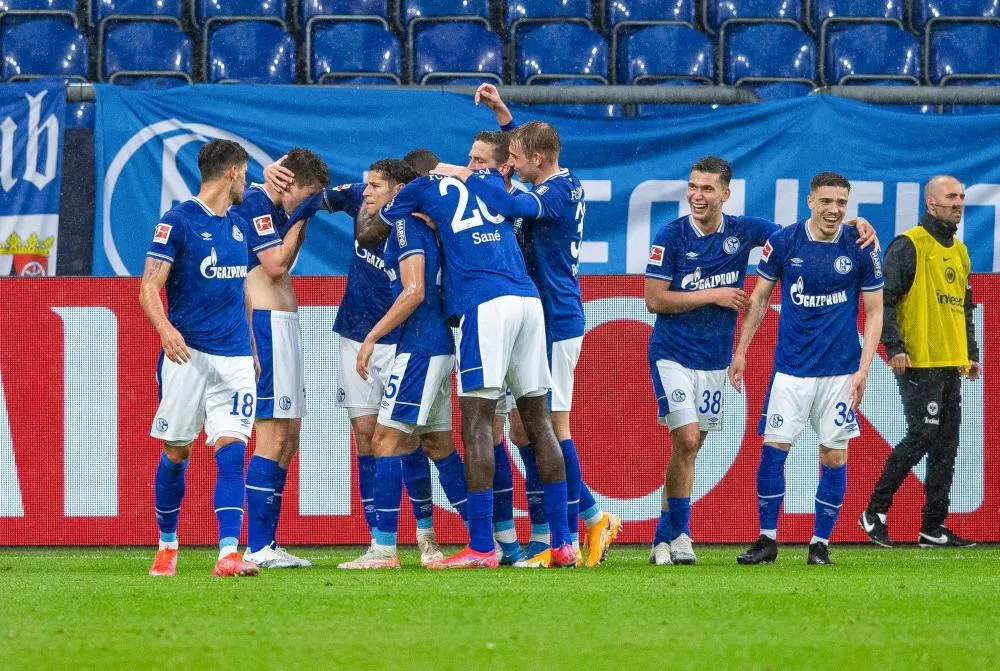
932, 404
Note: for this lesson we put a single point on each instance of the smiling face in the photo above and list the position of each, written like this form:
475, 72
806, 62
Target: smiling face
828, 205
706, 194
527, 167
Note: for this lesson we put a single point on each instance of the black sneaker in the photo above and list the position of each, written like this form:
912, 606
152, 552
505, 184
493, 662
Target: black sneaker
877, 532
765, 550
943, 537
819, 553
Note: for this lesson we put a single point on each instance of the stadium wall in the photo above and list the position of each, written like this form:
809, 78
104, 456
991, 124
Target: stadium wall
78, 394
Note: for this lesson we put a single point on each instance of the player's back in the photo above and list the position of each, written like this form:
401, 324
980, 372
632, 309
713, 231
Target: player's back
552, 253
367, 296
690, 260
208, 254
821, 283
481, 258
426, 330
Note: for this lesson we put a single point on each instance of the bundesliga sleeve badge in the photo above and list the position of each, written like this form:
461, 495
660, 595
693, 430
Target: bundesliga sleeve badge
656, 255
263, 225
766, 254
162, 233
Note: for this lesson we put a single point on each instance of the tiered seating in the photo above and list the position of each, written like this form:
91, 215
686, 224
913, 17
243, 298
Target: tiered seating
44, 47
540, 52
250, 52
718, 12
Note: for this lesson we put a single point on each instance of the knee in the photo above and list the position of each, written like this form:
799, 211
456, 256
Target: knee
832, 458
518, 435
177, 453
437, 447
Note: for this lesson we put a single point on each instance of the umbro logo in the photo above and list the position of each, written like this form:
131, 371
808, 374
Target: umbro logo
796, 261
692, 255
206, 236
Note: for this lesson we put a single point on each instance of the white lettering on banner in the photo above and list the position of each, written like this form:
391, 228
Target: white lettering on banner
987, 195
7, 129
51, 128
11, 504
325, 446
863, 193
907, 208
90, 430
595, 191
640, 209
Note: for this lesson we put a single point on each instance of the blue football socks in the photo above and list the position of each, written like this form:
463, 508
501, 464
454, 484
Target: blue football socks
169, 492
260, 485
366, 487
417, 476
228, 496
663, 534
573, 478
479, 507
555, 511
679, 509
388, 494
451, 473
770, 489
829, 498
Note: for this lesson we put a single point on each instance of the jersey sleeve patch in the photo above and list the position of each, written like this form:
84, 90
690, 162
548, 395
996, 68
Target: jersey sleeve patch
400, 227
342, 187
656, 255
766, 254
263, 225
162, 233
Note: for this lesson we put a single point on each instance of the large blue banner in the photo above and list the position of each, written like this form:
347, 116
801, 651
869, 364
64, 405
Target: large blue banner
634, 170
31, 132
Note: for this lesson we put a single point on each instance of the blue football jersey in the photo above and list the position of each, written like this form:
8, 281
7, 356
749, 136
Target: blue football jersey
266, 222
367, 296
821, 283
208, 257
426, 331
701, 339
481, 258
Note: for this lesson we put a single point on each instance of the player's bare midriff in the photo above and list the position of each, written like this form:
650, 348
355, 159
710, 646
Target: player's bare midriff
271, 294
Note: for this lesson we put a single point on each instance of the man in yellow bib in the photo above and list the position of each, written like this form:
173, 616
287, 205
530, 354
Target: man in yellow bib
929, 338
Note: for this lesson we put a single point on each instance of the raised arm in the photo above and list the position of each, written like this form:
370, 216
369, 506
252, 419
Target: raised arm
754, 315
154, 276
411, 276
490, 96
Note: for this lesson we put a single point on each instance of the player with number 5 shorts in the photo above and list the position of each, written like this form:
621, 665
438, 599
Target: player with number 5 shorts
820, 369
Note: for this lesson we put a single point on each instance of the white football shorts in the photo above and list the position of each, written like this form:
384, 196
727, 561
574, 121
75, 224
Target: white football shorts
417, 397
281, 389
685, 395
824, 402
217, 392
362, 397
563, 358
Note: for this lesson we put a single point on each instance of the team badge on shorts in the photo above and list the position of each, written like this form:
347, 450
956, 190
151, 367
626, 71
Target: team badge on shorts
341, 395
776, 421
284, 403
161, 425
843, 265
678, 396
731, 245
237, 233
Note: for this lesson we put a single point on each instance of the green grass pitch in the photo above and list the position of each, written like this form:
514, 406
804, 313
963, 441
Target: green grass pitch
875, 609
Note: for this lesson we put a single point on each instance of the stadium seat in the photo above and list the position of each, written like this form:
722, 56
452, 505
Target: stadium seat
633, 12
605, 111
80, 115
518, 11
312, 8
209, 11
410, 10
103, 9
16, 11
540, 52
821, 11
923, 11
151, 83
46, 47
655, 109
765, 51
781, 89
125, 51
673, 51
957, 48
972, 109
433, 54
342, 50
250, 52
854, 53
363, 80
717, 12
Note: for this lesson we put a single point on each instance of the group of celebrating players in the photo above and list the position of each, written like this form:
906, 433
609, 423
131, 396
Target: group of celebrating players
439, 246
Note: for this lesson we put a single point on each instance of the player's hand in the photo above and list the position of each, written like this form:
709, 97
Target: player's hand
173, 345
866, 233
975, 370
278, 176
736, 369
900, 363
427, 220
450, 170
364, 354
858, 382
729, 297
489, 96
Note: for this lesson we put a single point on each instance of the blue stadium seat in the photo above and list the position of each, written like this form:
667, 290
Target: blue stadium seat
956, 48
923, 11
47, 47
345, 50
669, 51
206, 11
781, 89
618, 12
518, 11
540, 52
718, 12
410, 10
126, 54
854, 53
80, 115
433, 54
463, 80
311, 8
250, 52
821, 11
973, 109
102, 9
654, 109
150, 83
579, 110
765, 51
16, 11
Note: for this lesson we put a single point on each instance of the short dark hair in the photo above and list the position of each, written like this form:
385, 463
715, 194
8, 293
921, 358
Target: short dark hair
499, 140
537, 137
422, 160
216, 157
394, 170
309, 169
714, 165
829, 179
